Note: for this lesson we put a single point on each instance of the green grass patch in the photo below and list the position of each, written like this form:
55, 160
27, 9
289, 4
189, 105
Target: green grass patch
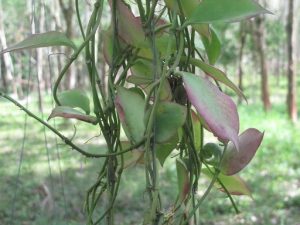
54, 179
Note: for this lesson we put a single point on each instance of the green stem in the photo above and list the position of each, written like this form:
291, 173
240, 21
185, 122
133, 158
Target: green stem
66, 140
206, 193
74, 57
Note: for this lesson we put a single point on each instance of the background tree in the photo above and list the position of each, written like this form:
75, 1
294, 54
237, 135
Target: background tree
291, 72
261, 48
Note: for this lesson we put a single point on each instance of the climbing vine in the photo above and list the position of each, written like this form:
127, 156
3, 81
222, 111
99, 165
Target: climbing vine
163, 91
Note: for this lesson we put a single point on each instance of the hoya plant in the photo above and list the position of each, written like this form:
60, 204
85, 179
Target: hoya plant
162, 93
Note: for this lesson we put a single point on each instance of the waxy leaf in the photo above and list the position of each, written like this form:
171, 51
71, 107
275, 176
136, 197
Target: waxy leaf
142, 75
169, 118
75, 99
141, 72
51, 38
210, 11
70, 113
163, 150
129, 27
235, 160
161, 42
235, 185
130, 106
131, 158
216, 74
196, 130
182, 179
212, 46
216, 108
188, 8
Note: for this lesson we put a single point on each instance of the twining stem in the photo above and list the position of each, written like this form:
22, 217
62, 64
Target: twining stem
66, 140
76, 54
214, 179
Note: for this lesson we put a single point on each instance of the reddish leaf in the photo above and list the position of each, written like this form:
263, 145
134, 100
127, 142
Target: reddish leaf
235, 160
216, 108
70, 113
183, 179
129, 27
217, 74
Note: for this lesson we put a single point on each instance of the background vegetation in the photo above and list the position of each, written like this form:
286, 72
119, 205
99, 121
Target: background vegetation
50, 188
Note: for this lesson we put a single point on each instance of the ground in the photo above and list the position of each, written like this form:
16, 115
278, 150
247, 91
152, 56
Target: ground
53, 178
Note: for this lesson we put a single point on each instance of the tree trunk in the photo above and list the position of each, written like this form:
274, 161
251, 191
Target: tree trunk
240, 68
68, 12
7, 69
291, 96
260, 45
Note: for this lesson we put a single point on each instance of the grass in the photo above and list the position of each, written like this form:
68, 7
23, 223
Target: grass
273, 175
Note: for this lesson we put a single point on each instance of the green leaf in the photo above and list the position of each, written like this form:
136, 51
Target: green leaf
162, 41
212, 46
142, 72
51, 38
169, 118
70, 113
129, 27
132, 157
216, 108
188, 8
163, 150
197, 130
182, 179
235, 185
216, 74
210, 11
130, 106
108, 45
75, 99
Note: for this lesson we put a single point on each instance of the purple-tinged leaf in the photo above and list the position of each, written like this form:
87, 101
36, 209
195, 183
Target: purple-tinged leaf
70, 113
217, 74
182, 179
235, 185
129, 27
130, 106
216, 108
47, 39
235, 160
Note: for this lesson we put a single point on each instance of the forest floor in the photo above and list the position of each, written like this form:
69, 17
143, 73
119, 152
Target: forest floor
53, 179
